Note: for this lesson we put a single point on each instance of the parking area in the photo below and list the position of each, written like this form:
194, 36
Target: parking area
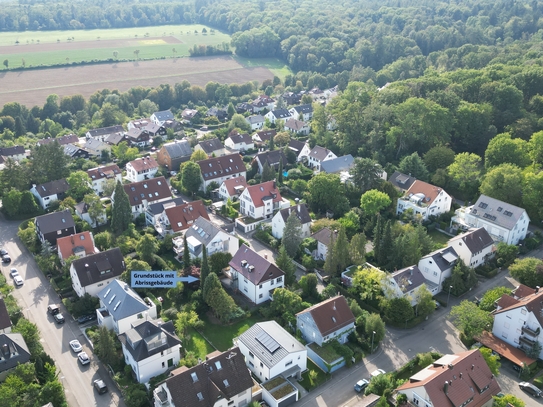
509, 380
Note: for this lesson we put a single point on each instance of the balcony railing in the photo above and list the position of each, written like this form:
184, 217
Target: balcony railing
531, 332
527, 341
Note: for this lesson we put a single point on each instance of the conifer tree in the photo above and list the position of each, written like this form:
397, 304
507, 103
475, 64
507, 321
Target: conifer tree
121, 213
204, 270
186, 256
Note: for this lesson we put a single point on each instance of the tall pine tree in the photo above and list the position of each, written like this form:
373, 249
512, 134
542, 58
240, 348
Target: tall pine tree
204, 270
331, 262
284, 262
280, 172
121, 213
386, 247
186, 256
377, 238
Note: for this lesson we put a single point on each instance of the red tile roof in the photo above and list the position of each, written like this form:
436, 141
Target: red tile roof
182, 216
430, 191
67, 245
150, 190
232, 183
266, 190
145, 163
523, 291
331, 315
109, 171
504, 349
532, 302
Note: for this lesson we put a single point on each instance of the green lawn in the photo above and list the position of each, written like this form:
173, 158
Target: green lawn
438, 237
221, 335
276, 66
198, 345
321, 376
327, 353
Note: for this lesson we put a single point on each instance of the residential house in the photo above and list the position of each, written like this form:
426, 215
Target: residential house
140, 124
317, 156
323, 238
219, 169
116, 138
55, 225
239, 142
93, 272
78, 245
254, 276
262, 138
222, 380
100, 175
172, 155
297, 127
437, 266
303, 112
291, 98
137, 138
256, 121
13, 352
272, 158
271, 351
16, 153
424, 200
232, 188
153, 211
143, 193
161, 117
405, 283
175, 125
189, 114
453, 380
178, 218
95, 147
74, 151
141, 169
150, 348
300, 148
328, 320
103, 133
50, 192
263, 102
504, 222
212, 147
243, 108
62, 140
120, 306
401, 182
341, 166
82, 211
204, 233
474, 247
279, 114
5, 321
279, 220
261, 200
156, 130
220, 114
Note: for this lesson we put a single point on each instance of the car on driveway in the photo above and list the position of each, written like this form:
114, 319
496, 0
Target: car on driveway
18, 280
530, 389
76, 346
83, 358
6, 258
13, 272
100, 386
86, 318
59, 318
361, 385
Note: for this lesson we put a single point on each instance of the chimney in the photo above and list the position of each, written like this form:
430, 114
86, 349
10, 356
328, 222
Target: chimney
72, 236
536, 289
446, 387
472, 367
460, 374
274, 184
334, 306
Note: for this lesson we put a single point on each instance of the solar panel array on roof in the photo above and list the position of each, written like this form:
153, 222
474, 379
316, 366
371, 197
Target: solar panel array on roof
267, 341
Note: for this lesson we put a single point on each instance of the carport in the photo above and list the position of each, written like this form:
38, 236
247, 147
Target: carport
505, 350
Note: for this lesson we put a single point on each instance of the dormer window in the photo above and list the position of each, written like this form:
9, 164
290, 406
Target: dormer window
195, 379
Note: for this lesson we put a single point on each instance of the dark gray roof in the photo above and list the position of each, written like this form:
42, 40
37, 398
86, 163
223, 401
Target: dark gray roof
115, 138
221, 375
211, 145
266, 135
303, 108
59, 186
255, 119
147, 338
343, 163
5, 322
260, 333
496, 211
272, 157
319, 153
408, 278
122, 301
324, 236
202, 230
301, 212
156, 208
401, 181
55, 221
75, 151
11, 151
281, 113
219, 167
63, 140
135, 134
262, 269
241, 138
296, 145
475, 240
103, 131
444, 258
13, 351
100, 266
178, 149
163, 115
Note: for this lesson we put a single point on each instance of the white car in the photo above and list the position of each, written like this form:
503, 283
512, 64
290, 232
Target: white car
13, 272
83, 358
76, 346
18, 280
377, 372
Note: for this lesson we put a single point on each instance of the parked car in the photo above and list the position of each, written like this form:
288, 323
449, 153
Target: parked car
59, 318
361, 385
100, 386
83, 358
18, 280
530, 389
377, 372
3, 252
86, 318
13, 272
53, 309
6, 258
76, 346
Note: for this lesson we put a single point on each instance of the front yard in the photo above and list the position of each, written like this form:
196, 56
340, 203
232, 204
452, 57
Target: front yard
318, 378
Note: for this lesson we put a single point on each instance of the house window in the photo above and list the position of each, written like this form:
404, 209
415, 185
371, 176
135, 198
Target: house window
251, 364
260, 295
245, 289
163, 364
504, 335
279, 279
59, 232
260, 286
288, 363
523, 311
261, 364
251, 354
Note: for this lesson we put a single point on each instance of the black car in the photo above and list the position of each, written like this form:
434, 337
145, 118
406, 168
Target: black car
3, 252
100, 386
6, 258
86, 318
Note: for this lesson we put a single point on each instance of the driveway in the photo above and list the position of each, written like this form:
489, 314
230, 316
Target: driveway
34, 297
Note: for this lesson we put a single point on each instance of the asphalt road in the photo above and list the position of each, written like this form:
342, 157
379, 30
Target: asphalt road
34, 297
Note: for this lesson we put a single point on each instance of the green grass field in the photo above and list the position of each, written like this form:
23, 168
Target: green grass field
221, 335
277, 67
198, 345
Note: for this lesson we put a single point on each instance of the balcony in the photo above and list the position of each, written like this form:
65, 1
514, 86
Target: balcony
528, 331
527, 341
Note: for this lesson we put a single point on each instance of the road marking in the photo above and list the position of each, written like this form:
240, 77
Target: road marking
320, 402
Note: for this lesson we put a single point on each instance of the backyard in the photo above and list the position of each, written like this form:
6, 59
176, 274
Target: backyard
221, 336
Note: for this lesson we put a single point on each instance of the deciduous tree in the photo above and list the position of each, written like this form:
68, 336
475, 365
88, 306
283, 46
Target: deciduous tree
504, 182
292, 234
191, 177
374, 201
528, 271
284, 262
470, 319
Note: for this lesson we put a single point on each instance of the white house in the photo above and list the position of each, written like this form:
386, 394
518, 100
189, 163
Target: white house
437, 266
504, 222
262, 102
151, 348
50, 192
176, 218
221, 380
16, 153
300, 148
232, 188
204, 233
79, 245
154, 212
424, 200
256, 121
161, 117
279, 221
474, 247
317, 156
103, 133
52, 226
324, 239
462, 379
239, 142
297, 127
260, 201
406, 282
144, 193
279, 114
271, 351
262, 138
92, 273
219, 169
120, 306
302, 112
141, 169
212, 147
325, 321
100, 175
82, 212
254, 276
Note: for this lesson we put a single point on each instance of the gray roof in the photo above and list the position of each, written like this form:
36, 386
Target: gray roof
163, 115
261, 271
157, 208
281, 113
115, 138
55, 221
343, 163
301, 212
16, 351
72, 150
103, 131
408, 278
147, 338
100, 266
211, 145
218, 167
496, 211
296, 145
59, 186
241, 138
272, 158
444, 258
319, 153
324, 236
475, 239
260, 335
255, 119
122, 301
178, 149
304, 108
11, 151
202, 230
295, 124
401, 181
95, 144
